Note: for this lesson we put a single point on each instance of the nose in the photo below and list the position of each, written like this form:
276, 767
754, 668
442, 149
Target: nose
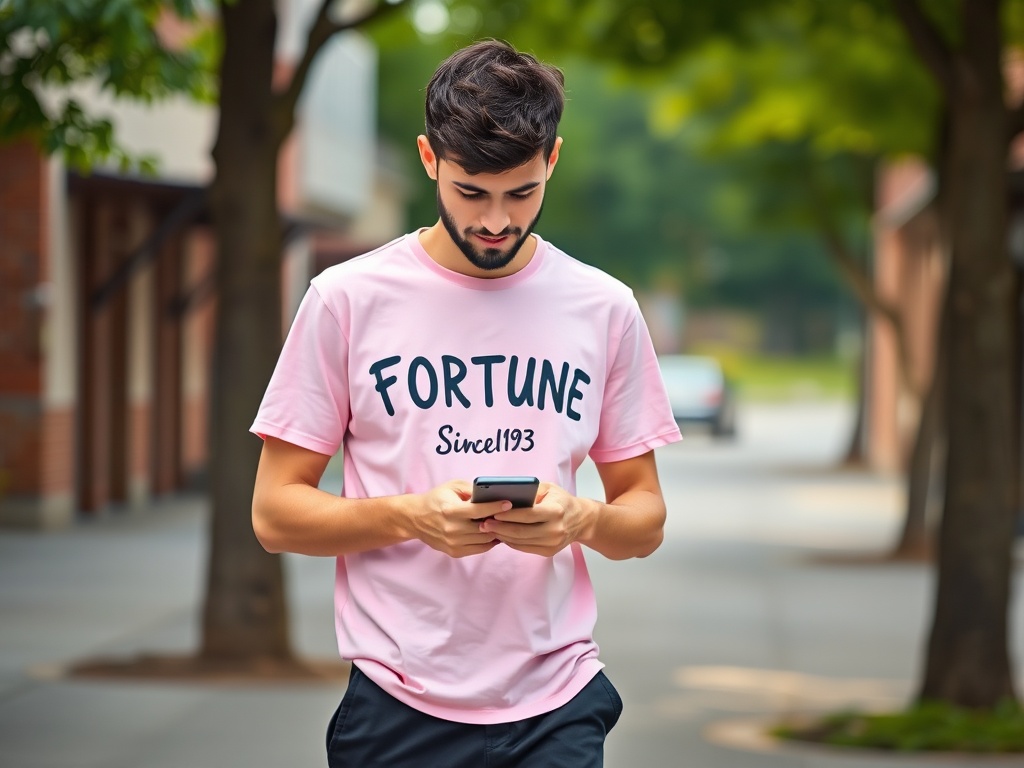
495, 219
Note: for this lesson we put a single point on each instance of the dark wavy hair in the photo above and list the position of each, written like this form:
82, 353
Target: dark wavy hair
491, 108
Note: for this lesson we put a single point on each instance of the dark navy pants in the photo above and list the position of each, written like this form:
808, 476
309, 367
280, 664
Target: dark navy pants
371, 728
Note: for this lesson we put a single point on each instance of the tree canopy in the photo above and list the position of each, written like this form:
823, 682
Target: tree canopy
51, 51
650, 204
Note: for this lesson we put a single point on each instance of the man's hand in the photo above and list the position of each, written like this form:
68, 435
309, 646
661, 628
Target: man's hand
555, 521
444, 519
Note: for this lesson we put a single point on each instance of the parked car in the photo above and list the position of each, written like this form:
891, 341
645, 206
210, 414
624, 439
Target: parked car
700, 393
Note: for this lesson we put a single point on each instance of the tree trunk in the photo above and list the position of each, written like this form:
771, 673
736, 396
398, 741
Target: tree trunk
968, 661
245, 614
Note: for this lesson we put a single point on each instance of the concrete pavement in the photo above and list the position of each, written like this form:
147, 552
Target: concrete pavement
735, 621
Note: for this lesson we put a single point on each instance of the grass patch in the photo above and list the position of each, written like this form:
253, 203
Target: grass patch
926, 727
763, 378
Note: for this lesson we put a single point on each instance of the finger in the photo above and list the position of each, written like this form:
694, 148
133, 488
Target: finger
522, 515
540, 551
538, 513
476, 538
475, 549
524, 533
480, 510
454, 543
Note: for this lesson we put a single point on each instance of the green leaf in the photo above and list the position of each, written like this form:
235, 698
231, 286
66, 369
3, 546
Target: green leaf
54, 44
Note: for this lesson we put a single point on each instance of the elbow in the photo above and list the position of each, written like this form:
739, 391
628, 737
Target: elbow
263, 527
652, 543
657, 533
637, 548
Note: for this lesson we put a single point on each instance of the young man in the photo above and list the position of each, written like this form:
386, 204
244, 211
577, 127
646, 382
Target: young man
469, 348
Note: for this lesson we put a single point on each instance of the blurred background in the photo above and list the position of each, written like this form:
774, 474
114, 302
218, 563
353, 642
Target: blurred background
771, 178
759, 220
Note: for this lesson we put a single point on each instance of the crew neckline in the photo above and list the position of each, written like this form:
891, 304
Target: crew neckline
478, 283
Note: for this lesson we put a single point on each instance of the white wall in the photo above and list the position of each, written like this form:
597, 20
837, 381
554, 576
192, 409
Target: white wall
337, 126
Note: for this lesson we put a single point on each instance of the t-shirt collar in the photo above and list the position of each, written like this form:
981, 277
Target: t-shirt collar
478, 283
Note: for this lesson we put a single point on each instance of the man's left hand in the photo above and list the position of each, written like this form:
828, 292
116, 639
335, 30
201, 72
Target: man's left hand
554, 521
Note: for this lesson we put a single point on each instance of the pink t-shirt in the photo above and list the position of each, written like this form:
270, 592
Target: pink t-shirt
423, 375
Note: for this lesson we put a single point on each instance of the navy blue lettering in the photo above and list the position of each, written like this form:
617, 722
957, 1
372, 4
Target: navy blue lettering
382, 383
487, 361
575, 394
414, 393
526, 393
530, 381
443, 433
508, 440
452, 379
547, 382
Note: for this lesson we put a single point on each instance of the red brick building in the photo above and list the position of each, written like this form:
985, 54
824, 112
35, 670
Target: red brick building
910, 274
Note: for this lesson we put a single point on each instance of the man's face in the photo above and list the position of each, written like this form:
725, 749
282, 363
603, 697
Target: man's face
484, 249
489, 216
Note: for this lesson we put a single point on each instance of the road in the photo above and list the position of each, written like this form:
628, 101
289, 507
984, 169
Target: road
753, 607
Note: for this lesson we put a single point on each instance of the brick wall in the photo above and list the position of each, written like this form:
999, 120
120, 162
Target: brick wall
909, 273
23, 243
23, 234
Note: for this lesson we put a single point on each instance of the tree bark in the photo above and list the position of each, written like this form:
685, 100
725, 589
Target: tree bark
245, 614
968, 660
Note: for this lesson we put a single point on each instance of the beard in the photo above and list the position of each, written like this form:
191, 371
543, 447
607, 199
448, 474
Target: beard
487, 258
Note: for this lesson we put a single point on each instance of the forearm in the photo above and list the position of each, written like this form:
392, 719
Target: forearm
299, 518
631, 525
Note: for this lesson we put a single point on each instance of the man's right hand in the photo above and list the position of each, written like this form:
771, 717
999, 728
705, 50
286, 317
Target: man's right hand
446, 520
291, 514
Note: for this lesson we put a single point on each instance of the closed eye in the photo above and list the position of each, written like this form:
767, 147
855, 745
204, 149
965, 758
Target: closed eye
472, 193
478, 195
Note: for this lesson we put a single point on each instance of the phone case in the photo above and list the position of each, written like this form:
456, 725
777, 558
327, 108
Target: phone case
520, 490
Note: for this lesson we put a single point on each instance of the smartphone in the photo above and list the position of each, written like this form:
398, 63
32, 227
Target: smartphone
520, 490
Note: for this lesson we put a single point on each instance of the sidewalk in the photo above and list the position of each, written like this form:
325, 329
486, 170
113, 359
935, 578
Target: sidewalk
131, 585
733, 620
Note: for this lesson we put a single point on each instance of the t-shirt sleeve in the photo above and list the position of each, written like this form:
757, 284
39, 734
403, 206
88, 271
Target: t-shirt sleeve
307, 400
635, 415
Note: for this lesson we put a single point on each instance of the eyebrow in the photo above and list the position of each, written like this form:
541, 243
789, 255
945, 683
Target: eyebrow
517, 191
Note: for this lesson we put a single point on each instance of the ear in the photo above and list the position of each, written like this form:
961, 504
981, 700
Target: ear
427, 156
553, 157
